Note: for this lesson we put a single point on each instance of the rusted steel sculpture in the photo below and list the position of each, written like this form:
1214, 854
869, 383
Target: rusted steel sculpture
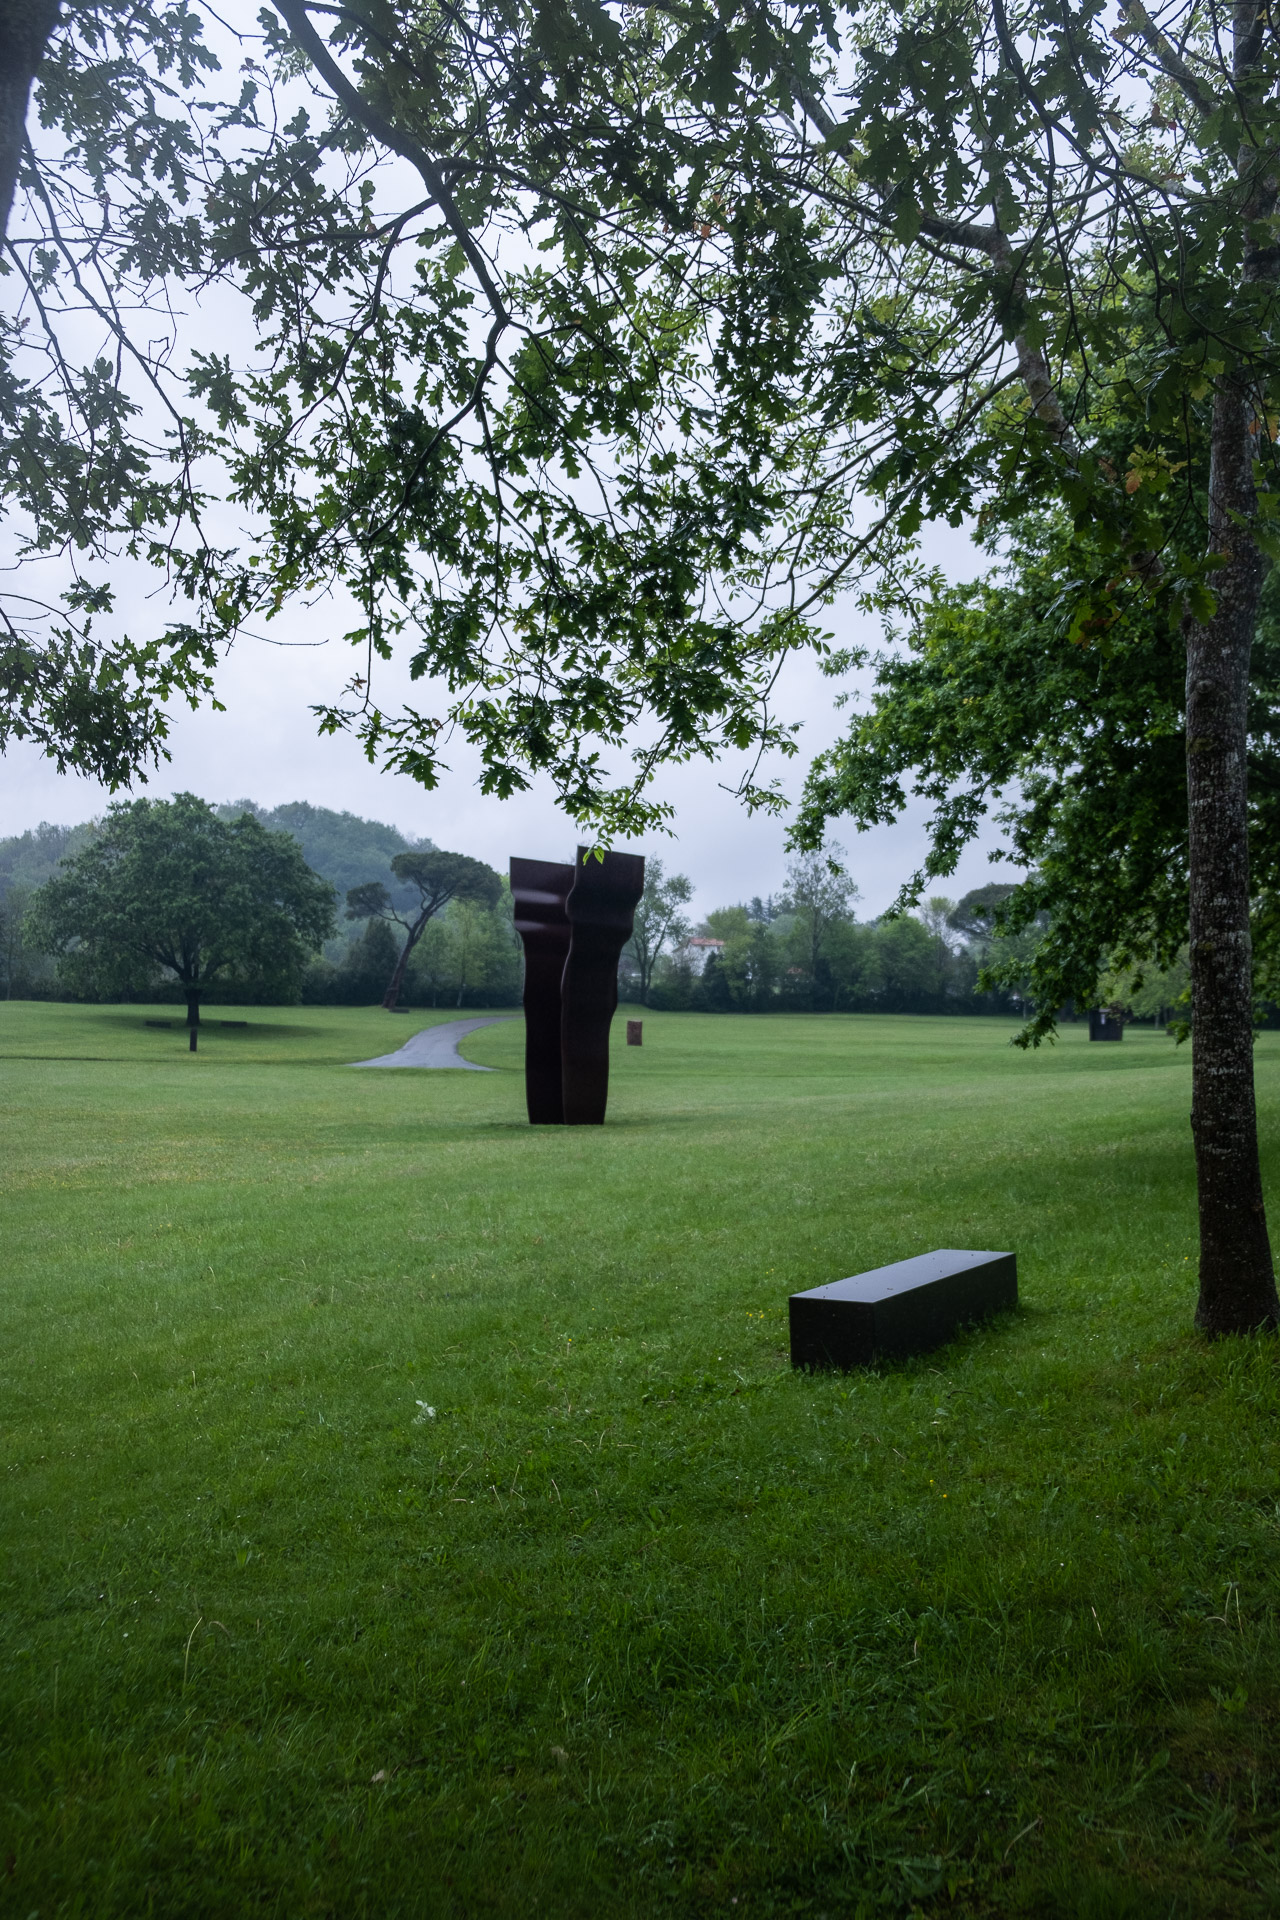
602, 912
539, 889
574, 922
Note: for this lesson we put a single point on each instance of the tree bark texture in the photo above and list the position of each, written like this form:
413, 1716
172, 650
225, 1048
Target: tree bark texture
25, 27
1237, 1280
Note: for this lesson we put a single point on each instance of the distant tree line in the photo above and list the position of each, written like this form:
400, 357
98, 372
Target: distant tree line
179, 900
805, 950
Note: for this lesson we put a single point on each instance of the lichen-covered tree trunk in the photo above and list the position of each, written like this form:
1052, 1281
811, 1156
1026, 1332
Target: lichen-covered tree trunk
25, 26
1237, 1280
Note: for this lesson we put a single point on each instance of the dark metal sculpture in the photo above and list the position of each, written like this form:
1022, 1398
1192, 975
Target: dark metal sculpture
539, 889
906, 1308
574, 922
602, 911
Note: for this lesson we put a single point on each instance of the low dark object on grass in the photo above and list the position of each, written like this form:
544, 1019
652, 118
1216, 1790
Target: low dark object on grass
195, 1035
905, 1308
166, 1024
635, 1033
601, 910
1104, 1025
539, 889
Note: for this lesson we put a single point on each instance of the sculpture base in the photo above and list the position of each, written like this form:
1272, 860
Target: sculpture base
905, 1308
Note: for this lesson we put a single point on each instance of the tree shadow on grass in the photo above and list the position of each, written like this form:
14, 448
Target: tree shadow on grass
153, 1017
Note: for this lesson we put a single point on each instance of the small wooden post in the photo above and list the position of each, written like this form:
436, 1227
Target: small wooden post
192, 1047
635, 1033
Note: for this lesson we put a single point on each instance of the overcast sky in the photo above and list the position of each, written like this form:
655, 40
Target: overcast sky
265, 747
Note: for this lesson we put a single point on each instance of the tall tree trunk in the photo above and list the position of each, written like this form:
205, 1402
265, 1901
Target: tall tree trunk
193, 1006
1237, 1281
25, 27
391, 998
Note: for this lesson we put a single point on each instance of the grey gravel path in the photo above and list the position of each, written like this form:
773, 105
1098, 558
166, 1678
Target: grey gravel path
437, 1046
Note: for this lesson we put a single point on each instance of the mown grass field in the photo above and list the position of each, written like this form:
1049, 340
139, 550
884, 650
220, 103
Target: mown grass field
636, 1622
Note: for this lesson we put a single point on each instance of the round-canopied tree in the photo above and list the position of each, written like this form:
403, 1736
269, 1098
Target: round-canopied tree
438, 878
167, 888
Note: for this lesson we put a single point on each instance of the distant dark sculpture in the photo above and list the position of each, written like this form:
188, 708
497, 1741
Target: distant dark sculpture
574, 922
1104, 1025
539, 889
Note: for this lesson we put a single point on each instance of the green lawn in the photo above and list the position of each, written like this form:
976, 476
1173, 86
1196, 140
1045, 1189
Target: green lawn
638, 1622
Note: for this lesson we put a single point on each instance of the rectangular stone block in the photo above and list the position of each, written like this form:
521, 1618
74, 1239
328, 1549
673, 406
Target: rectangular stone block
905, 1308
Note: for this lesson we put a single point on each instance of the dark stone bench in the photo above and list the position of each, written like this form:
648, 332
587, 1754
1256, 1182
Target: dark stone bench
903, 1309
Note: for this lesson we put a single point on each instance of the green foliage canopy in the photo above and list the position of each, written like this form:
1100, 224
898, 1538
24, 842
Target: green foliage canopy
659, 926
583, 334
96, 458
166, 887
434, 878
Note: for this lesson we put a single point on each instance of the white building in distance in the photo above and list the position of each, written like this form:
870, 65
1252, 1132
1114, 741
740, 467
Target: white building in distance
696, 952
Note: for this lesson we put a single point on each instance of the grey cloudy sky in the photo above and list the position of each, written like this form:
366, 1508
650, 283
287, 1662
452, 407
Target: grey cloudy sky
265, 747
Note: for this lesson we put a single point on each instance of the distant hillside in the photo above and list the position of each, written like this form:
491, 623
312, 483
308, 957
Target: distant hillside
341, 846
28, 859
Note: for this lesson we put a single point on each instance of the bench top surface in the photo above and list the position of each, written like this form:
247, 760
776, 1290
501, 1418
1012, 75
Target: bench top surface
881, 1283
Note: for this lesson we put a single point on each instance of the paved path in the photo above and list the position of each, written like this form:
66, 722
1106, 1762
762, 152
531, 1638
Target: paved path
437, 1046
